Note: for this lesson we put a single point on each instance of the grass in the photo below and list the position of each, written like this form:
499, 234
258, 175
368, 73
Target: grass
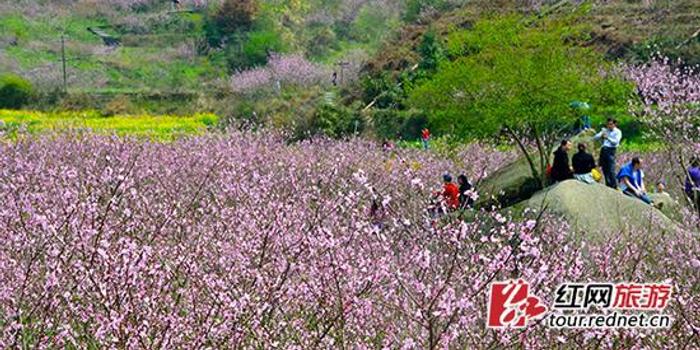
28, 29
158, 127
143, 67
641, 146
637, 144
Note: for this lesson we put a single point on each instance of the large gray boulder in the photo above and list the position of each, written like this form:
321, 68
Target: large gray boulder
597, 211
508, 185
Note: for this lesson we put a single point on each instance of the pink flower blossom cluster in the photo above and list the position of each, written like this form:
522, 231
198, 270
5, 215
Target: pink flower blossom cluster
114, 9
291, 69
669, 106
132, 4
670, 100
245, 241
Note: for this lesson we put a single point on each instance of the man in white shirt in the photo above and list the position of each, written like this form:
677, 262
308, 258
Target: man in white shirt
611, 137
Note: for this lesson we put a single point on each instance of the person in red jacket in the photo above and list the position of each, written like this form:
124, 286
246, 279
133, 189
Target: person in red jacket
425, 137
450, 192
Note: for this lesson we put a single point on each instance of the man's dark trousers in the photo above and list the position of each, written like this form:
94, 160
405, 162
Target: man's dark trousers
607, 162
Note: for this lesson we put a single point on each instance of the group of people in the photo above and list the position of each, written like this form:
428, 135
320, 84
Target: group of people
584, 166
629, 179
456, 197
452, 197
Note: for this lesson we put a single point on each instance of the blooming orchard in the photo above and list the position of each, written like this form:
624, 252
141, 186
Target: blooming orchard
670, 104
288, 69
670, 97
245, 241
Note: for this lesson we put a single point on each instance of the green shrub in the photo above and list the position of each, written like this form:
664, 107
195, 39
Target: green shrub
260, 44
15, 91
387, 122
414, 8
232, 18
370, 25
235, 15
321, 40
337, 121
253, 48
413, 122
383, 89
430, 51
47, 98
390, 123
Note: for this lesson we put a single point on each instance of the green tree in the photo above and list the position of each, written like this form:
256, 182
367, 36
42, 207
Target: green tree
15, 91
516, 78
337, 121
320, 40
253, 48
383, 91
235, 15
232, 17
260, 45
390, 122
430, 51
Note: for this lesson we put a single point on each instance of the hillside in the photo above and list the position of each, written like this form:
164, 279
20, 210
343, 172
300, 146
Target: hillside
631, 30
150, 50
304, 66
163, 49
156, 51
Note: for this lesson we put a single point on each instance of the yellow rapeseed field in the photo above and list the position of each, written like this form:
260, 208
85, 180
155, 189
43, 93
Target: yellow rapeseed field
162, 127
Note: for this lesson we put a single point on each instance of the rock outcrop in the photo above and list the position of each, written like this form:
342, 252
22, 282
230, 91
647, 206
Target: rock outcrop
599, 211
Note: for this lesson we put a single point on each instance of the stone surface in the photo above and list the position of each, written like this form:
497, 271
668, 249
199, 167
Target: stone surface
598, 211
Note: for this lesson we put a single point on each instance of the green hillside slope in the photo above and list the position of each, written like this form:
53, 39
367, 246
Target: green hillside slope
622, 29
191, 48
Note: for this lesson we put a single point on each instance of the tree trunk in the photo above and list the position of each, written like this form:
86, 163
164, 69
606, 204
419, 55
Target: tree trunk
544, 159
530, 161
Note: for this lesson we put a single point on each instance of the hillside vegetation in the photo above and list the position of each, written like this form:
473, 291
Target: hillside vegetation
477, 69
157, 48
631, 30
335, 67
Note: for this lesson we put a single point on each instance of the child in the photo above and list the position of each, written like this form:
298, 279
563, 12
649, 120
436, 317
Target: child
660, 187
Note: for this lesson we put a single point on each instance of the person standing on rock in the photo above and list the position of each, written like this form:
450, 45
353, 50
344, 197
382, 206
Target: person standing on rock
561, 170
611, 137
584, 164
